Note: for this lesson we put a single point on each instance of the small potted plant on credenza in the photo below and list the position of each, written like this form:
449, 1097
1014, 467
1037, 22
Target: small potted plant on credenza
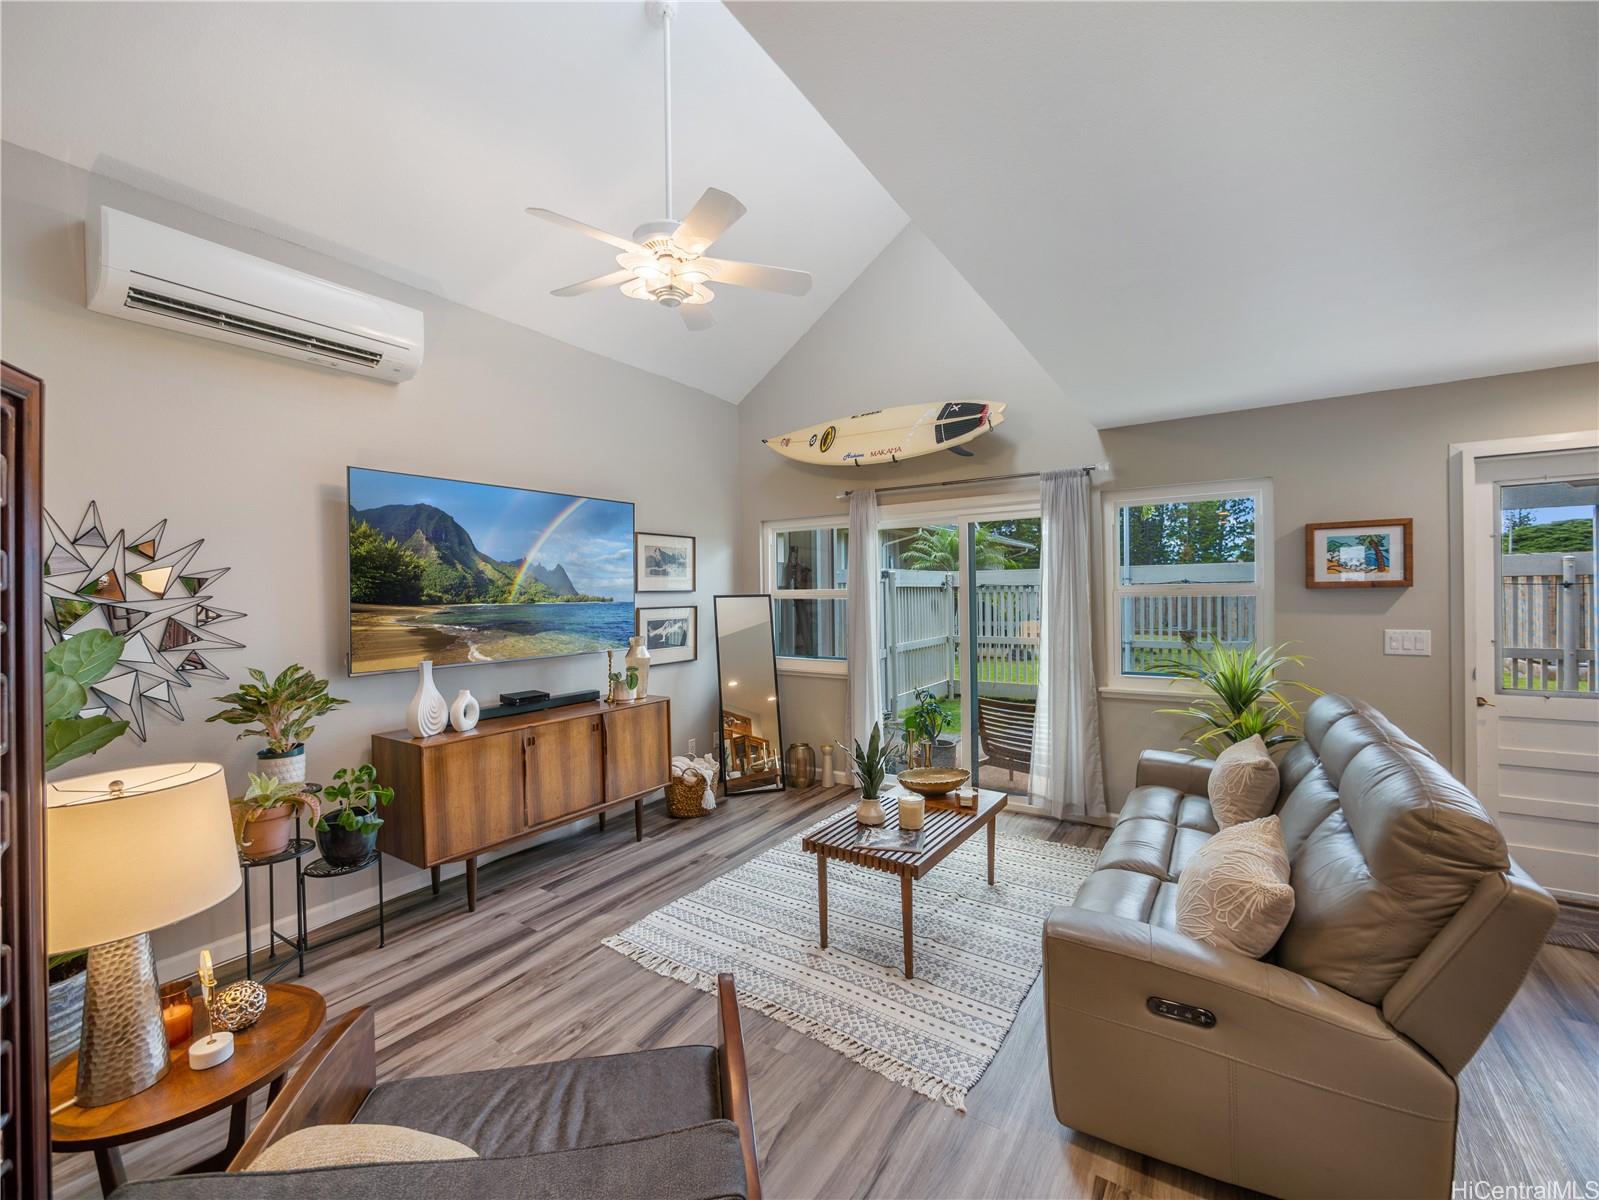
280, 710
347, 829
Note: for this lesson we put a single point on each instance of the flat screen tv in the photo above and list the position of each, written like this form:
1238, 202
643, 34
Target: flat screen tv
476, 573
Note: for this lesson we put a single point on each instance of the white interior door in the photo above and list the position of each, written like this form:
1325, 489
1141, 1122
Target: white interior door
1536, 707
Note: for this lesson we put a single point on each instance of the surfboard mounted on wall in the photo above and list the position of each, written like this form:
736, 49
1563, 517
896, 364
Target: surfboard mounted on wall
888, 435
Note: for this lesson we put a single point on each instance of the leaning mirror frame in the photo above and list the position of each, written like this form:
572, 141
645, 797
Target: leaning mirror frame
735, 749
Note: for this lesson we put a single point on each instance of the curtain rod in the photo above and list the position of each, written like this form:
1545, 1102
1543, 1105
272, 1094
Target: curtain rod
944, 483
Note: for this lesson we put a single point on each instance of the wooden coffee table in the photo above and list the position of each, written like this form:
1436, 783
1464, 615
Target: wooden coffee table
261, 1058
944, 828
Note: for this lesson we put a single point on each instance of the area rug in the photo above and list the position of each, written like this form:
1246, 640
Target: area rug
978, 950
1577, 927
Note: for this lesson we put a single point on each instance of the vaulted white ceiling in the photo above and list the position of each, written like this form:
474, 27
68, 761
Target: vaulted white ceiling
1184, 208
408, 138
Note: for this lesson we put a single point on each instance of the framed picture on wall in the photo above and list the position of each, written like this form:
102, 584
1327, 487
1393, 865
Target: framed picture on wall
671, 635
663, 562
1360, 554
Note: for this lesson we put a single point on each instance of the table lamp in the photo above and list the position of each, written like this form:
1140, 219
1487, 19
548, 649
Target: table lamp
127, 852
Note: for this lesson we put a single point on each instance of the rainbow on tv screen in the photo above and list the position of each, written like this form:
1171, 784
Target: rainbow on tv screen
474, 572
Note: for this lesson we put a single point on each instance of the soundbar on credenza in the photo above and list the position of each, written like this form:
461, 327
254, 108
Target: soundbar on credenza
536, 705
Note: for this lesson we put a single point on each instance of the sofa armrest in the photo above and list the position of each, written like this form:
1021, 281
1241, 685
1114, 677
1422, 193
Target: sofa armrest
1174, 769
1103, 969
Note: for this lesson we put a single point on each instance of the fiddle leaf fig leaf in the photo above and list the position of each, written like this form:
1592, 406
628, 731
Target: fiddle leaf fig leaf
64, 696
85, 657
77, 736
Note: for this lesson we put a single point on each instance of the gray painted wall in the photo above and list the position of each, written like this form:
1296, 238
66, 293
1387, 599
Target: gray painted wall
248, 452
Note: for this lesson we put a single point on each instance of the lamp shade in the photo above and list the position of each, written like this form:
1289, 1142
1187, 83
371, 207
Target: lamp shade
132, 850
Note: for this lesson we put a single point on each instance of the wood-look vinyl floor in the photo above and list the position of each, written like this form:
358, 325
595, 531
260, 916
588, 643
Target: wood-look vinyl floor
525, 979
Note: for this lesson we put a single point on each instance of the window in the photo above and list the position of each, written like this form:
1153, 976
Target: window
1185, 566
803, 566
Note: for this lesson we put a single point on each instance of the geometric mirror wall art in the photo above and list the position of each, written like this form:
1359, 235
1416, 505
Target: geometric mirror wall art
158, 601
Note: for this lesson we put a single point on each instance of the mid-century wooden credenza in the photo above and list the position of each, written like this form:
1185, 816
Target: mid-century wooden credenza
457, 795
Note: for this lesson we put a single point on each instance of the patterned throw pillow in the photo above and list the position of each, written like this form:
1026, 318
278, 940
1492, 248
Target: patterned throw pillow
1234, 892
1243, 783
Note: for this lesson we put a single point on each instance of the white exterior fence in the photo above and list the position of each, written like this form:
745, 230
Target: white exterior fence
1546, 629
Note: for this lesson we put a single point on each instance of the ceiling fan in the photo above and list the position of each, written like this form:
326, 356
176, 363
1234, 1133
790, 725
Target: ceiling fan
665, 261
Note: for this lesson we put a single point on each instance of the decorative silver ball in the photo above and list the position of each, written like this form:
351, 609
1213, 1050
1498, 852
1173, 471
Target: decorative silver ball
238, 1006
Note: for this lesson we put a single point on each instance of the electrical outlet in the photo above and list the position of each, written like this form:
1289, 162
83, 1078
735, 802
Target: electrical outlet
692, 743
1416, 642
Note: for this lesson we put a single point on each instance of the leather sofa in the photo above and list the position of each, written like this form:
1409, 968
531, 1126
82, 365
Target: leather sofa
1329, 1067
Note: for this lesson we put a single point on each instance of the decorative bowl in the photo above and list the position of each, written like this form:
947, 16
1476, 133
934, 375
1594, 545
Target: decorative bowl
934, 781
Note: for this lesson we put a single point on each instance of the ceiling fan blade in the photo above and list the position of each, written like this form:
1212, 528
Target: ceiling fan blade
707, 221
614, 279
752, 275
697, 316
555, 218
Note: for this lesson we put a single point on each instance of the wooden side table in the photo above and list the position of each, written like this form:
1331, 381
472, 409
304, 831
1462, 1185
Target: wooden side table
261, 1057
945, 827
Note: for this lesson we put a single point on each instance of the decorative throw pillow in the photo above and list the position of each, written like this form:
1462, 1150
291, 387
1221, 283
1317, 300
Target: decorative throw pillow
354, 1145
1243, 783
1234, 893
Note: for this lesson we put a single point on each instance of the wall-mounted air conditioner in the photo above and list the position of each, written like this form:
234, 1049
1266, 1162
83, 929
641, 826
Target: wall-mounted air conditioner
144, 272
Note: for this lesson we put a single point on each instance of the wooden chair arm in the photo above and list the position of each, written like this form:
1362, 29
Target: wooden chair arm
735, 1078
326, 1089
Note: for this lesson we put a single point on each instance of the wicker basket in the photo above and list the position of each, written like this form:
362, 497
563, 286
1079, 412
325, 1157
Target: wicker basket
684, 795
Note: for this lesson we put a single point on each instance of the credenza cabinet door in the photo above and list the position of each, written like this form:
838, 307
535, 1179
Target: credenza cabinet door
638, 751
475, 790
564, 770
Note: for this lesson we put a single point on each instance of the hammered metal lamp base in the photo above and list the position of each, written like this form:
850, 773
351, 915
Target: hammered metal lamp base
124, 1048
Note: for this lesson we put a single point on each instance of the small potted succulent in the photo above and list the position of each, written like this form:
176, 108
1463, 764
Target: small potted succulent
347, 829
263, 817
280, 710
871, 766
924, 722
624, 683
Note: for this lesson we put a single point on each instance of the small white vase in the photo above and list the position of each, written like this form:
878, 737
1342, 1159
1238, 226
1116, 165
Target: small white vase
870, 812
638, 656
286, 768
464, 711
427, 713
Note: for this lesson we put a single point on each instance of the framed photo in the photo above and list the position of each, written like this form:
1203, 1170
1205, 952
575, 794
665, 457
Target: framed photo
1360, 554
663, 562
671, 635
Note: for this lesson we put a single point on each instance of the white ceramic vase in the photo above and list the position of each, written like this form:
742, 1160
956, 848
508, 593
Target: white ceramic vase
464, 711
638, 656
427, 713
286, 768
870, 812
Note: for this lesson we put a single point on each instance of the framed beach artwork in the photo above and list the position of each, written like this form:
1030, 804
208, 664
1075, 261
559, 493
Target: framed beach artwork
1360, 554
671, 635
664, 562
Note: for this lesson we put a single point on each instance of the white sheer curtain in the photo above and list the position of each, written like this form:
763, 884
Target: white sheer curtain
865, 684
1067, 777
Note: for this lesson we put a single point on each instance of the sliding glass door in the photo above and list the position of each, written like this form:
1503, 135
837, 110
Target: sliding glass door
960, 603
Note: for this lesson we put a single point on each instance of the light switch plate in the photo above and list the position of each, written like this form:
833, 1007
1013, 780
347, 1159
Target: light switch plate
1416, 642
692, 742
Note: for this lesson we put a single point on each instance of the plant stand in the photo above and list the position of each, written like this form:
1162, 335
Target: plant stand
321, 869
297, 849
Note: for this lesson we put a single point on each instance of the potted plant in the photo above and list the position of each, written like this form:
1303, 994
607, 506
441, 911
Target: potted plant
263, 816
624, 684
871, 766
924, 722
1246, 697
280, 710
347, 832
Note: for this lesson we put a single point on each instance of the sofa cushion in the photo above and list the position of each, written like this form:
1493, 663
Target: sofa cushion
1118, 893
1243, 783
1378, 879
1293, 766
1169, 805
702, 1163
1338, 728
1235, 894
556, 1105
348, 1145
1151, 847
1307, 806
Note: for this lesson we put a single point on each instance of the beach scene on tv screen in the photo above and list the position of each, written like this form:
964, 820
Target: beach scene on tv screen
472, 572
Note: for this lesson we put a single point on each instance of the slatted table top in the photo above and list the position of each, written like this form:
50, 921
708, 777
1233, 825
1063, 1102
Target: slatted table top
944, 828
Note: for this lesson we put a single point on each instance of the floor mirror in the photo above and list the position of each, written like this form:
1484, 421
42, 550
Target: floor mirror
746, 678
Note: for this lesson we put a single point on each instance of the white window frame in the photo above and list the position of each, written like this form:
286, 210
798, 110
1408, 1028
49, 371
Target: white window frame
1263, 588
788, 664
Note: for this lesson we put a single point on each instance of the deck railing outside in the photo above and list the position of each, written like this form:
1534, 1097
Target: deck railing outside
1546, 630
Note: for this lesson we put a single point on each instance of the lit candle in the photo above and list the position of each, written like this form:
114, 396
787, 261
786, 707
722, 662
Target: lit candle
177, 1015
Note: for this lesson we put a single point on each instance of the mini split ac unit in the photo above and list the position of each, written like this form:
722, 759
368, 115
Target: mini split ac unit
144, 272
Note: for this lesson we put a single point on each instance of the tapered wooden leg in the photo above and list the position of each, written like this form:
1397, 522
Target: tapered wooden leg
471, 885
108, 1164
821, 894
602, 820
991, 825
638, 819
905, 921
434, 871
